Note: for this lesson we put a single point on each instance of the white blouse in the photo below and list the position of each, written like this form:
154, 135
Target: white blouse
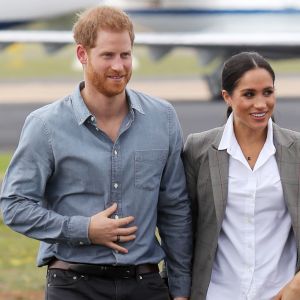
256, 254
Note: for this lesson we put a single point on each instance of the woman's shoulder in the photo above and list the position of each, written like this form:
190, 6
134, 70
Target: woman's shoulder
200, 142
286, 136
206, 137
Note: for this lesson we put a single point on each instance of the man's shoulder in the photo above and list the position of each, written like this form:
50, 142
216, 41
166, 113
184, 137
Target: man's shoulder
149, 101
58, 108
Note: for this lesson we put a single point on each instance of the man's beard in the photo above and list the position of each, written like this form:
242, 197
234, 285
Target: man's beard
106, 86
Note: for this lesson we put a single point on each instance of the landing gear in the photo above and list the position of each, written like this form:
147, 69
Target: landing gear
214, 85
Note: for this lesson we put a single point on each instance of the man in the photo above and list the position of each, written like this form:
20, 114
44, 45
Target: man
96, 172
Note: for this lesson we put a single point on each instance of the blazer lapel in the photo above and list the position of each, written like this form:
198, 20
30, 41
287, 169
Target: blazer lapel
218, 165
288, 166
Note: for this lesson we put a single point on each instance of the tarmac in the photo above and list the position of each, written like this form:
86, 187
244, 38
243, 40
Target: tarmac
178, 89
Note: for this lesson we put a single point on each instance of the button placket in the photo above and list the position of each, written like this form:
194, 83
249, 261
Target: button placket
116, 177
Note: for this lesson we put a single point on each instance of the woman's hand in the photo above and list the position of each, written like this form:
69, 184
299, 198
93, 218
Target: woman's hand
291, 291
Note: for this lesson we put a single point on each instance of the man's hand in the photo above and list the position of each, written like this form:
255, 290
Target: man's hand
291, 291
181, 298
110, 232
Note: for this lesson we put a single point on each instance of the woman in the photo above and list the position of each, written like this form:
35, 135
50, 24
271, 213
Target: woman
243, 180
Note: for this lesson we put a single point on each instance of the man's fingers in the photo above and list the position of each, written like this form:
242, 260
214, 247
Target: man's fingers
125, 238
110, 210
125, 221
126, 231
117, 247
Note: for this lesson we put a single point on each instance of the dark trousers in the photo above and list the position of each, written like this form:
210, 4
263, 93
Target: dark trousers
65, 285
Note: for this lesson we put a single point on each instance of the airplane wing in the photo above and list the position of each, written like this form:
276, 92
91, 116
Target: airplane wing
282, 40
274, 45
8, 37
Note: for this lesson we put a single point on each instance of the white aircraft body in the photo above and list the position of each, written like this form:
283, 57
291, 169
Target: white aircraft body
216, 28
15, 12
213, 15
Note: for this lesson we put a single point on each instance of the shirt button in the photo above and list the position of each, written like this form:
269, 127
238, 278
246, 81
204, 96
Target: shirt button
116, 152
81, 243
92, 119
116, 185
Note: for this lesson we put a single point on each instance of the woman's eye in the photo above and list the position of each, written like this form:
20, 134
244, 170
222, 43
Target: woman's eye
268, 92
249, 94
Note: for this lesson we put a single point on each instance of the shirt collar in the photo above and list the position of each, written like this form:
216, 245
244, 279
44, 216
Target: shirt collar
228, 133
228, 138
82, 113
134, 101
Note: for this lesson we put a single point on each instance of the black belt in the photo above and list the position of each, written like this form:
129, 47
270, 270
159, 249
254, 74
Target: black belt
108, 271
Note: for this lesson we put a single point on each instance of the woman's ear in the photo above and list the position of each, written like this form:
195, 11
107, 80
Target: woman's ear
226, 97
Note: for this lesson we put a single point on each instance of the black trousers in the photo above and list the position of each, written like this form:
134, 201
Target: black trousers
69, 285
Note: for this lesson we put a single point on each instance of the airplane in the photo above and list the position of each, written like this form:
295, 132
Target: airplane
216, 28
16, 12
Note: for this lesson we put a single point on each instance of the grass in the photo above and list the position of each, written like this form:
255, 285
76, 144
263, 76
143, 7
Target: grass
5, 158
179, 62
29, 61
20, 279
21, 61
17, 263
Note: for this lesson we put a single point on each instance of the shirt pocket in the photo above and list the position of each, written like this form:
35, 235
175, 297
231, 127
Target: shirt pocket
149, 165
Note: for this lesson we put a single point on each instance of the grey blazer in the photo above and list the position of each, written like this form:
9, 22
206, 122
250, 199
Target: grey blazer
207, 177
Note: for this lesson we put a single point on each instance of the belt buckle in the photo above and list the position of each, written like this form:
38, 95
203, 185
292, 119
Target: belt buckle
125, 271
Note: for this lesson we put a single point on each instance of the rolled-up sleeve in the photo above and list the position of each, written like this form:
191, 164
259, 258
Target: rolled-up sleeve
23, 202
174, 215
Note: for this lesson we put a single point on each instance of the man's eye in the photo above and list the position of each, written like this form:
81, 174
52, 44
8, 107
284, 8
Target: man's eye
107, 55
126, 55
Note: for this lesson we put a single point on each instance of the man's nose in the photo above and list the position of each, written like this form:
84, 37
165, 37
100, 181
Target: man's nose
117, 63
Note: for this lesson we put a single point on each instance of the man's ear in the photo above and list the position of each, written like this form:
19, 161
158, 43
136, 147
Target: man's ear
81, 53
226, 97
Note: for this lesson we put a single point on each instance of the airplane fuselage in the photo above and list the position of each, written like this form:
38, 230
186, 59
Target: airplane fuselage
213, 15
19, 12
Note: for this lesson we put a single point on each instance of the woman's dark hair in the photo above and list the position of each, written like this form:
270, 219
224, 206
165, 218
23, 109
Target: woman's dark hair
237, 65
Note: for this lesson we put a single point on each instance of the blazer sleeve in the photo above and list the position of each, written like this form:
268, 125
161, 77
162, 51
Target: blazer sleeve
191, 176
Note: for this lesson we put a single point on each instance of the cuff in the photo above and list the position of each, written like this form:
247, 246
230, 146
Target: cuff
180, 286
78, 228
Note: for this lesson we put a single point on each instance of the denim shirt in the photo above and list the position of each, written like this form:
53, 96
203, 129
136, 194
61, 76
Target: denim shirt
65, 170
